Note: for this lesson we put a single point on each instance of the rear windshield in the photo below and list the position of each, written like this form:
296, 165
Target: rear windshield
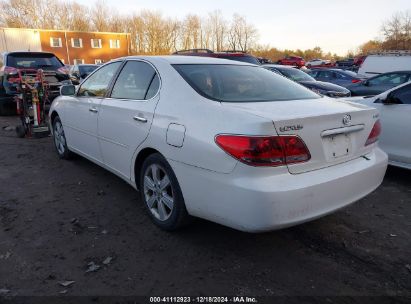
248, 59
241, 83
296, 75
24, 61
349, 73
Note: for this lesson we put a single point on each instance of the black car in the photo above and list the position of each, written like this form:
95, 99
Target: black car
345, 63
29, 62
378, 84
230, 55
79, 72
323, 88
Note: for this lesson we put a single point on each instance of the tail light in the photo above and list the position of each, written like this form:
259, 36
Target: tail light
264, 151
375, 133
63, 70
355, 80
10, 71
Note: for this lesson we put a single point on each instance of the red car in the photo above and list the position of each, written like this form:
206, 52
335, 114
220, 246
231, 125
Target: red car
292, 60
359, 60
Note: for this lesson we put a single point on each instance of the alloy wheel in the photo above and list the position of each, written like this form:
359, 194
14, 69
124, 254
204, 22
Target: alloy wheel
59, 138
158, 192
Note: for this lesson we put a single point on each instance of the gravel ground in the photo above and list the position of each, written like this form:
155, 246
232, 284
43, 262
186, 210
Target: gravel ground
64, 221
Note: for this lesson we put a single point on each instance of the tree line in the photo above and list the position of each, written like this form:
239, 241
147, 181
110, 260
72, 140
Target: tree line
152, 33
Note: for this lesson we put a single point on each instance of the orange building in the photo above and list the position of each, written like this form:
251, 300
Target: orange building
70, 46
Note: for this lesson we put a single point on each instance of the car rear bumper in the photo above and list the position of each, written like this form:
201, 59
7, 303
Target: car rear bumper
254, 202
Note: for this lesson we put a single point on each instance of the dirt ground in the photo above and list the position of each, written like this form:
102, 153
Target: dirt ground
59, 219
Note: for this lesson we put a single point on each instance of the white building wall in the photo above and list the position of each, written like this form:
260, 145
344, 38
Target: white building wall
15, 39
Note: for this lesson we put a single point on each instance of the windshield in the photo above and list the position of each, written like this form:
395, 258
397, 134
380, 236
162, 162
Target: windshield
35, 61
296, 75
241, 83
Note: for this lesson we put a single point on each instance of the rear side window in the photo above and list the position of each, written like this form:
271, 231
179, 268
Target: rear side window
137, 80
35, 61
241, 83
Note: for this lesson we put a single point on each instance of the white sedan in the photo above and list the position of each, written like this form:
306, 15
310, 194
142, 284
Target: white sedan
221, 140
395, 108
316, 62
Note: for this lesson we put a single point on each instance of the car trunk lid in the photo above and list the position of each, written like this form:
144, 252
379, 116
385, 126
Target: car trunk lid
333, 131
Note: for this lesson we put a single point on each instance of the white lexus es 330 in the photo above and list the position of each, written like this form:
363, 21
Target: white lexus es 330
226, 141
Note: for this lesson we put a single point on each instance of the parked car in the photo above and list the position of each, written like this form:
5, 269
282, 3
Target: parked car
359, 60
385, 62
324, 88
225, 141
345, 63
54, 70
378, 84
292, 60
79, 72
394, 106
317, 62
230, 55
263, 60
339, 77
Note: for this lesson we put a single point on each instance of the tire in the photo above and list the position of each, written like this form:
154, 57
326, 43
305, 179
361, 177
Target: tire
21, 131
164, 203
59, 139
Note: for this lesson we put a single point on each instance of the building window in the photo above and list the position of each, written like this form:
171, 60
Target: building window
55, 42
78, 61
76, 42
114, 44
98, 61
96, 43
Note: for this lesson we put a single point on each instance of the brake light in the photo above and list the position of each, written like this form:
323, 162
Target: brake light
10, 71
355, 80
63, 70
264, 151
375, 133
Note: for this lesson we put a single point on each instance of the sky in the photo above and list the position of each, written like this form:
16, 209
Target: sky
336, 26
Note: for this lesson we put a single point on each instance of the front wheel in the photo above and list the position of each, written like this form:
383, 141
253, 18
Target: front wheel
60, 141
161, 194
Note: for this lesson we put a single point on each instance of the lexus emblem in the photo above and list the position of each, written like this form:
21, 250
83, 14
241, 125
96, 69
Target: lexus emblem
346, 120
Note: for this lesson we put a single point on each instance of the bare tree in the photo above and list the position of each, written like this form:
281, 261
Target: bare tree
100, 16
397, 31
218, 28
241, 34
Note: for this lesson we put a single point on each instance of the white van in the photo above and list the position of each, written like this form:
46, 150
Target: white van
386, 62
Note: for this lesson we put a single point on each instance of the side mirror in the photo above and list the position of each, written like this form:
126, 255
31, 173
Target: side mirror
84, 75
67, 90
366, 83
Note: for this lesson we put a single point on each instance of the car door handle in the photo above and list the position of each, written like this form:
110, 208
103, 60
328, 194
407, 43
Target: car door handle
94, 110
140, 119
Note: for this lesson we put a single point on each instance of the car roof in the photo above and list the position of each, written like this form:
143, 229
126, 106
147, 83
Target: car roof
179, 59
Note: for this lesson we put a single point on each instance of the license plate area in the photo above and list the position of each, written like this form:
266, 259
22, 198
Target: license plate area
337, 146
